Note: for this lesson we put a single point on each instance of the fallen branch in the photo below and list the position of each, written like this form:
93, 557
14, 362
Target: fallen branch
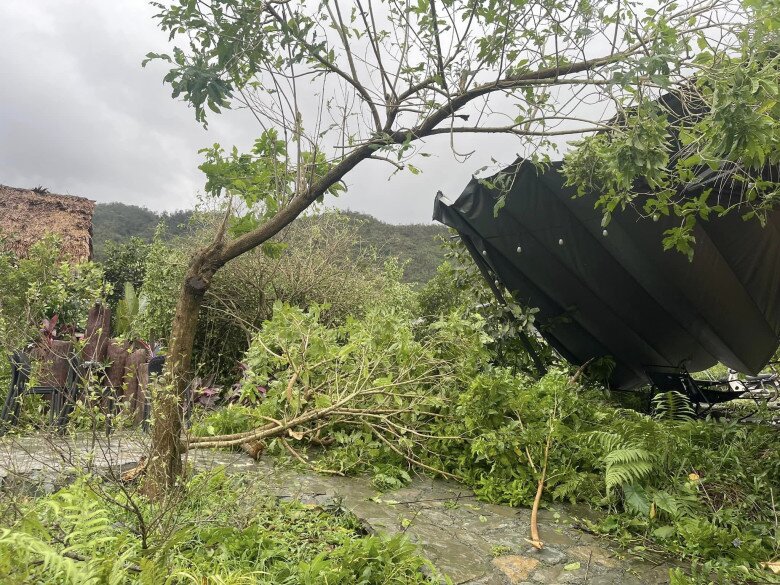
289, 390
536, 542
412, 460
133, 474
254, 449
308, 464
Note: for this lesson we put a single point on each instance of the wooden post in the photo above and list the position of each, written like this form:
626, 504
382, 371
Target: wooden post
97, 333
135, 372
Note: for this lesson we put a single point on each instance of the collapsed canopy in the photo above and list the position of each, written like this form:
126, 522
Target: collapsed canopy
617, 293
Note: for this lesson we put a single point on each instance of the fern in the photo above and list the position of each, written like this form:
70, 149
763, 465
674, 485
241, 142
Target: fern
625, 463
627, 466
672, 405
70, 538
84, 519
608, 441
569, 487
53, 562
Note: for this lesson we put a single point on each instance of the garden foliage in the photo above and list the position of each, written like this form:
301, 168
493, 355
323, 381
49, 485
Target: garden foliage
427, 395
411, 382
38, 287
321, 260
222, 531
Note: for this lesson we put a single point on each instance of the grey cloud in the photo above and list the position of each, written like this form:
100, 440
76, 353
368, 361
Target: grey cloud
79, 115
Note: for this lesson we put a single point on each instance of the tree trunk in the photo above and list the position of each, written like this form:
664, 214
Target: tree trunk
164, 463
168, 397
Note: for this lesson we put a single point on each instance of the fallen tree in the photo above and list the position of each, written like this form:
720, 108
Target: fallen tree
334, 85
308, 379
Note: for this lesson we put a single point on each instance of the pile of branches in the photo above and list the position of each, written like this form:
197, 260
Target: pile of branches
375, 374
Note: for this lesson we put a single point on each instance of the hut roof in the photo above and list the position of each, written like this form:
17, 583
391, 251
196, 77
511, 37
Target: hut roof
26, 216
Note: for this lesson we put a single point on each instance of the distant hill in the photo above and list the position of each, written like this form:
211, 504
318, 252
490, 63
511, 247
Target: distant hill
118, 222
417, 245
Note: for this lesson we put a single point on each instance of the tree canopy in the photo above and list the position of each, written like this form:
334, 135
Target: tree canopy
332, 84
335, 84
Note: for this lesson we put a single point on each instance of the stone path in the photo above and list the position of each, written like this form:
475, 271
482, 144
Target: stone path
472, 542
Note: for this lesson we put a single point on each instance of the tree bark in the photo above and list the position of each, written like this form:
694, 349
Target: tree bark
164, 465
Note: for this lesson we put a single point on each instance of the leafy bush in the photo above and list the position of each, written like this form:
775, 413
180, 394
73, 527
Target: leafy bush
459, 286
39, 286
43, 284
163, 278
223, 530
311, 262
233, 418
699, 489
124, 262
441, 294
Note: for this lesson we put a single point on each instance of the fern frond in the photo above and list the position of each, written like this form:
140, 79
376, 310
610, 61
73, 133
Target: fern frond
672, 405
86, 521
52, 561
569, 488
627, 465
607, 441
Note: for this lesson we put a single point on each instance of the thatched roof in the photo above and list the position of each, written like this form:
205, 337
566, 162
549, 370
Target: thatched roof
26, 216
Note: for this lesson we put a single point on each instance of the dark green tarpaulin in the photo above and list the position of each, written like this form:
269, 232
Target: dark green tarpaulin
620, 294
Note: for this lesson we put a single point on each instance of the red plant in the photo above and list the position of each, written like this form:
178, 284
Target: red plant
49, 328
152, 348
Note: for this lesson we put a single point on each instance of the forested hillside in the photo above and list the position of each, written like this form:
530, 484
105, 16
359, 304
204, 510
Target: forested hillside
415, 245
118, 222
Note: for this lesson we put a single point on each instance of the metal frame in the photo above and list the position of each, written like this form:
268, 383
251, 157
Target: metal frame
61, 398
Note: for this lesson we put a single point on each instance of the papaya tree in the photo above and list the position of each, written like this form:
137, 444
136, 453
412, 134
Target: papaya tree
338, 84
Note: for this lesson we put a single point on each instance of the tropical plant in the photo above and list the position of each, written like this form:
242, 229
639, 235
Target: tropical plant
128, 310
381, 94
85, 533
672, 405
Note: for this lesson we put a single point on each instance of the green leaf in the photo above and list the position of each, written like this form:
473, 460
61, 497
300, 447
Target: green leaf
636, 499
664, 532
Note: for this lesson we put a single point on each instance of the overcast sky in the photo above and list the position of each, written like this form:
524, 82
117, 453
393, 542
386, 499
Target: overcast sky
79, 115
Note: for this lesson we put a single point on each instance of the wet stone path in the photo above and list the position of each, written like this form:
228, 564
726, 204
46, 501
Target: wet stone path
472, 542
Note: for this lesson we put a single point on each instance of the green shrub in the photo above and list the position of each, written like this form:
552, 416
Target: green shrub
223, 530
315, 262
163, 279
233, 418
38, 287
124, 262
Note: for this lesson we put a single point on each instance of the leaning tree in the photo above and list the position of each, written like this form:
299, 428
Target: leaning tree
338, 84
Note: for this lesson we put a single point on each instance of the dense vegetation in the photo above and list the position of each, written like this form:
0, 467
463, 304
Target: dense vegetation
222, 530
416, 246
117, 222
391, 380
309, 340
433, 397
